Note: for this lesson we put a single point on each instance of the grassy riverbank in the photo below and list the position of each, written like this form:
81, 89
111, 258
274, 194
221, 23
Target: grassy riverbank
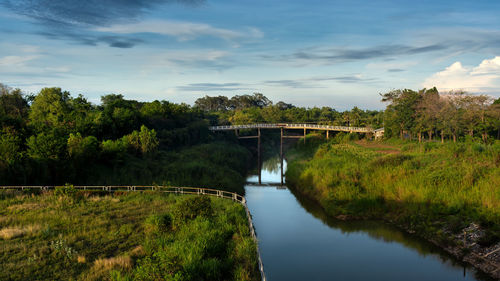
139, 236
433, 189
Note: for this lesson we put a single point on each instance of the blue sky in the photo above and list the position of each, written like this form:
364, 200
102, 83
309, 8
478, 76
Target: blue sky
310, 53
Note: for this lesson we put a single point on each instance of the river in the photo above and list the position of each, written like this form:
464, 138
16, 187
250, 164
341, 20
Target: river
298, 241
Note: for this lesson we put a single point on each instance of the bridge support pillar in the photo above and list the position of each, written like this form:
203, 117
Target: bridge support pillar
327, 134
259, 159
305, 132
281, 155
237, 133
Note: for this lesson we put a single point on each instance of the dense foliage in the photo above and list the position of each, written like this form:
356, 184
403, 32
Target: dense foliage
53, 138
68, 235
427, 112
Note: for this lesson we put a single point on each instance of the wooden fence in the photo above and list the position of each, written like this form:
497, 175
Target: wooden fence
168, 189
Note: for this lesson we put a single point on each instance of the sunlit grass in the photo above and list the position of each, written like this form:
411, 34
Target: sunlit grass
431, 181
88, 237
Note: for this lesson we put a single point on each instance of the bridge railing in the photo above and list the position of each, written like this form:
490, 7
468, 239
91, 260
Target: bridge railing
292, 126
119, 188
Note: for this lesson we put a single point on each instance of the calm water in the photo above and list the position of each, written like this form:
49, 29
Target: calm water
298, 242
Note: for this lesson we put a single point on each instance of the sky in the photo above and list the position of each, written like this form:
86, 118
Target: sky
339, 53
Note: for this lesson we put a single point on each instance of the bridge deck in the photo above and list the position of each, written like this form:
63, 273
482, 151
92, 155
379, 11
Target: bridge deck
293, 126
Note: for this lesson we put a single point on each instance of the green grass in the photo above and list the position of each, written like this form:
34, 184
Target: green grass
129, 236
425, 187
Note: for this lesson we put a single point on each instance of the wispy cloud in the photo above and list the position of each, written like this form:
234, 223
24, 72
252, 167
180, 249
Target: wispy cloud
395, 70
181, 30
86, 39
182, 60
16, 61
76, 21
302, 83
315, 82
86, 13
210, 87
296, 84
338, 55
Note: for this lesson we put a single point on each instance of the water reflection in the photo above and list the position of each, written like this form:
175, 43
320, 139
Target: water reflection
299, 242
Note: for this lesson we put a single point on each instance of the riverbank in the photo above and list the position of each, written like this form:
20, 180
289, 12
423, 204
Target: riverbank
66, 235
436, 191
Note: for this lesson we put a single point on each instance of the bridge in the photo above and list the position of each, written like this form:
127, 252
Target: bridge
303, 126
292, 126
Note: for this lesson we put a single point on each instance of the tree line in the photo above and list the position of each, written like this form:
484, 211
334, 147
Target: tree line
54, 136
256, 108
429, 114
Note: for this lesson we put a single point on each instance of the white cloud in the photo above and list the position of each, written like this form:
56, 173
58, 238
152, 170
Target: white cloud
482, 78
15, 60
181, 30
488, 67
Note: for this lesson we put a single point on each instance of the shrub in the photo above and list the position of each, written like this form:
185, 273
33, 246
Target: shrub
192, 207
477, 147
66, 190
158, 223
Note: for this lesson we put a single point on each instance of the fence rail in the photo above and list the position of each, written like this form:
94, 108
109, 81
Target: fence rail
168, 189
293, 126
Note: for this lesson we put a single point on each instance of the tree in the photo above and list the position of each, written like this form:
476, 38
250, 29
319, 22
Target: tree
119, 116
401, 109
10, 147
82, 148
148, 140
284, 106
48, 145
50, 109
209, 104
426, 112
247, 101
13, 108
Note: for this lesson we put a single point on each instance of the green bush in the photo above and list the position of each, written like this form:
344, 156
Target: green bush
66, 190
157, 223
192, 207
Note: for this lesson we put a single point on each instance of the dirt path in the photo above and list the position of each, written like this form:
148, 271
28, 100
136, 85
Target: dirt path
379, 147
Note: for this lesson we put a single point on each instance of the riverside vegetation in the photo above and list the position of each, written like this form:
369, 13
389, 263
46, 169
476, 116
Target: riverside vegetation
71, 235
51, 138
435, 190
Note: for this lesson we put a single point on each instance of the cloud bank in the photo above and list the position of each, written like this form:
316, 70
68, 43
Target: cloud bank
484, 78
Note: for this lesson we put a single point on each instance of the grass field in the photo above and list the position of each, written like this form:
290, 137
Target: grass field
427, 187
69, 235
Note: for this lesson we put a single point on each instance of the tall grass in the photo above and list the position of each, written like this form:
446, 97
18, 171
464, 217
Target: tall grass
123, 237
425, 186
